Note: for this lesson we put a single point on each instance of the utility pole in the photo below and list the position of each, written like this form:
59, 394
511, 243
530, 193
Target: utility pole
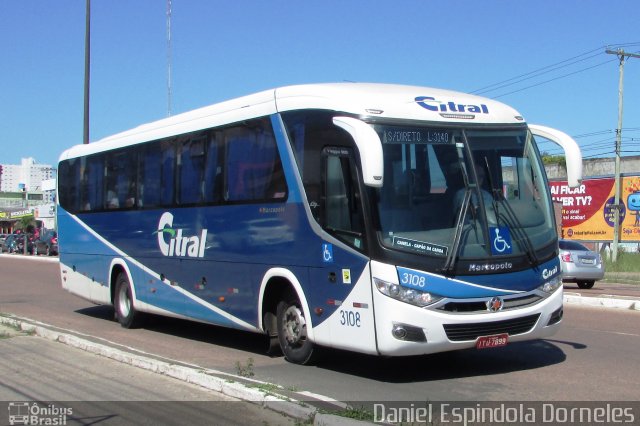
87, 71
622, 55
168, 57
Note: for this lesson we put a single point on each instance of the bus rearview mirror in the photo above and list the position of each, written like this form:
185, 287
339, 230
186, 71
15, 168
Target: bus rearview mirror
369, 146
571, 149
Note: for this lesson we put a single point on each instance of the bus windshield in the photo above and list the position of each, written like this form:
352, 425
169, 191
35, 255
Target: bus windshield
456, 193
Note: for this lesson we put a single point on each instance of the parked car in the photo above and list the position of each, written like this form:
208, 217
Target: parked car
579, 264
19, 239
10, 244
47, 243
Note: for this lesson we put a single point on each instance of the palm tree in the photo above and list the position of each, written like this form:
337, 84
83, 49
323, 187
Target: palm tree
26, 224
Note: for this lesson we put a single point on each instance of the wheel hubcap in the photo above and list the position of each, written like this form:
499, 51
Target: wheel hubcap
124, 304
294, 325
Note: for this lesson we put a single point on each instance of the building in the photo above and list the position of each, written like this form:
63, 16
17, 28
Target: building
595, 167
27, 177
26, 188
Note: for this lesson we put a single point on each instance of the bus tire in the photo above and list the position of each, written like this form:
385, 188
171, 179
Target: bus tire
292, 331
125, 312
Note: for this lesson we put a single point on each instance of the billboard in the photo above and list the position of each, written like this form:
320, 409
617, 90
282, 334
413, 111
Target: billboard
587, 212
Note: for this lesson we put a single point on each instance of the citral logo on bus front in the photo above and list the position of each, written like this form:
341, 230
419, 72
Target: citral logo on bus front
432, 104
178, 244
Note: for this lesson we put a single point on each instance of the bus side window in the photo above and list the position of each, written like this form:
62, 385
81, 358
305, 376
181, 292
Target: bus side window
93, 181
212, 185
337, 201
238, 160
253, 167
90, 183
191, 162
342, 205
121, 179
167, 177
69, 177
149, 191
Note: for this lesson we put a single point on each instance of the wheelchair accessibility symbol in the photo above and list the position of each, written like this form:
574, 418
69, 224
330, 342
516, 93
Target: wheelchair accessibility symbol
327, 253
501, 240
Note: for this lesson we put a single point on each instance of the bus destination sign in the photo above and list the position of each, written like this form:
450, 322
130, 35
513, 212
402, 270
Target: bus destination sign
402, 135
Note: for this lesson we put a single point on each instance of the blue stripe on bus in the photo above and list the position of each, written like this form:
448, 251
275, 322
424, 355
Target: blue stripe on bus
464, 287
90, 256
526, 280
235, 257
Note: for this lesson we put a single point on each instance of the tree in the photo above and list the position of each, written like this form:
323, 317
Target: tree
553, 159
26, 224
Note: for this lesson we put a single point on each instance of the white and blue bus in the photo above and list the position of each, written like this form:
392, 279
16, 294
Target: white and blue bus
381, 219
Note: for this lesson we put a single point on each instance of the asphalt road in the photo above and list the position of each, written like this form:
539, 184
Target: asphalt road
592, 358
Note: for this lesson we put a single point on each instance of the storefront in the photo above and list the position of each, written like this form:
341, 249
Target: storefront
9, 219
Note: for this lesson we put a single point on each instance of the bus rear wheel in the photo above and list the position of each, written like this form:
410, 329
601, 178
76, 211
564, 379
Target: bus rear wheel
292, 332
126, 313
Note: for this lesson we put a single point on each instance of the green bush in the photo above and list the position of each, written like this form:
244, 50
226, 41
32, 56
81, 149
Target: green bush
626, 262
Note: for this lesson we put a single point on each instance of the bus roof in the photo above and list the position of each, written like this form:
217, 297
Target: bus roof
362, 99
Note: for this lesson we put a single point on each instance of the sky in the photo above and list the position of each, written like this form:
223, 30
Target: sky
545, 58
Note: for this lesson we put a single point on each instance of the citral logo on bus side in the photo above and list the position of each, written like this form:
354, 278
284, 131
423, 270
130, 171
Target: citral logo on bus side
178, 244
432, 104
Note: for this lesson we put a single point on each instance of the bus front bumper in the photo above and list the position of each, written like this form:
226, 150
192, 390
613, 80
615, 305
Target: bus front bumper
403, 329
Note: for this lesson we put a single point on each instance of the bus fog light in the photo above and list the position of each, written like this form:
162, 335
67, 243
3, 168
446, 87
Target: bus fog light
408, 333
399, 332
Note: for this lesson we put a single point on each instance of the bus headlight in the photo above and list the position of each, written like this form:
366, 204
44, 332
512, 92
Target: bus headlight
552, 285
404, 294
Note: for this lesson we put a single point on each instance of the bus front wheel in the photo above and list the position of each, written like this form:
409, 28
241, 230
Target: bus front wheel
292, 331
126, 314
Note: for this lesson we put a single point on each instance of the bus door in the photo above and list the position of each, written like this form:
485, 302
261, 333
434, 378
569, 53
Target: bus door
344, 279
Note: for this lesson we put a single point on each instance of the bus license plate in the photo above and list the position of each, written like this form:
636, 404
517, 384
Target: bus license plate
495, 341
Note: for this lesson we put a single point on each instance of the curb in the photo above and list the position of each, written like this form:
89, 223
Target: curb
217, 381
606, 301
41, 258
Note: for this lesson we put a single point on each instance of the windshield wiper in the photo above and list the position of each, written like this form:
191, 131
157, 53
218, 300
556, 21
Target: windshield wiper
452, 256
494, 191
345, 232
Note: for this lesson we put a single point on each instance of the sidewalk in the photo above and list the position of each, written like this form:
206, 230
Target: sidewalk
604, 294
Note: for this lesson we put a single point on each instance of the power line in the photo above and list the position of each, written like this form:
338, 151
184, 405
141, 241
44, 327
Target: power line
596, 133
516, 80
484, 89
550, 68
603, 132
553, 79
